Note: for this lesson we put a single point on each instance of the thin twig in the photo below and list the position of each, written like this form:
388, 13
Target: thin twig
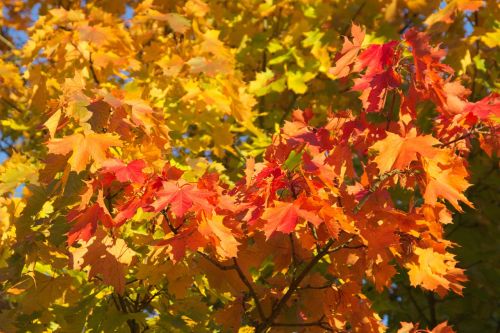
122, 303
252, 292
378, 183
148, 300
10, 104
92, 70
132, 281
464, 136
346, 247
7, 42
326, 286
175, 230
216, 263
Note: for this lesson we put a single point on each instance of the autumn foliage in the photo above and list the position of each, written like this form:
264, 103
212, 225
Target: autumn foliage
178, 178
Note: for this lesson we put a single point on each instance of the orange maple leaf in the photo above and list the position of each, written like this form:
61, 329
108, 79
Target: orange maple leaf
284, 217
221, 236
397, 152
83, 148
349, 52
446, 178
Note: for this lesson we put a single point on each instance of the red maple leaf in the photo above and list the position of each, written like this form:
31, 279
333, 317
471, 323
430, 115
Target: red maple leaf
125, 172
181, 197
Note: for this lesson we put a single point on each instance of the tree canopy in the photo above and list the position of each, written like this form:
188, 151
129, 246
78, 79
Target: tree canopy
249, 166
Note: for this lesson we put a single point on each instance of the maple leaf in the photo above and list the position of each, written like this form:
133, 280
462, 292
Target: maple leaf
430, 73
406, 327
85, 224
446, 178
84, 148
424, 55
374, 87
125, 172
181, 197
284, 216
131, 69
85, 220
127, 211
443, 328
413, 328
53, 122
99, 120
435, 271
189, 238
213, 228
380, 75
397, 152
377, 57
341, 161
74, 99
107, 257
97, 34
177, 22
17, 169
486, 108
347, 56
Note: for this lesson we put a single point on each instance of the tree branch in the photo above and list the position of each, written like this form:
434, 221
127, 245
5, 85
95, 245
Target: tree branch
432, 309
7, 42
215, 262
293, 287
92, 70
242, 277
252, 292
346, 247
464, 136
415, 303
175, 230
325, 286
148, 300
10, 104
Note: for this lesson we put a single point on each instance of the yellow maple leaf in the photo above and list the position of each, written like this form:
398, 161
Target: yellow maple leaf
435, 271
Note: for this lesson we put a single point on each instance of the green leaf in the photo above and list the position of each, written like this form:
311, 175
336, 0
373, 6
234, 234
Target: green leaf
293, 160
